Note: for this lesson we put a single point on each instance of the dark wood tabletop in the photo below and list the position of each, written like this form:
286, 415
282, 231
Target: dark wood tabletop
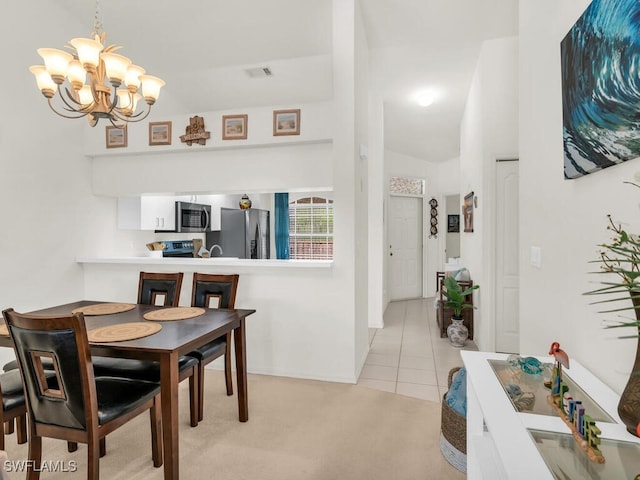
177, 337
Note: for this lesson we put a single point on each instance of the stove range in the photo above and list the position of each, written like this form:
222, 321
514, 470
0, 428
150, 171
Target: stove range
178, 248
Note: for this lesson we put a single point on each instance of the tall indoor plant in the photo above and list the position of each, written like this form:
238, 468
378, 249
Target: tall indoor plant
620, 258
456, 300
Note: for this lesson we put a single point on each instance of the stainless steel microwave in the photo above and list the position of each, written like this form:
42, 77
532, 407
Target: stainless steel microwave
193, 217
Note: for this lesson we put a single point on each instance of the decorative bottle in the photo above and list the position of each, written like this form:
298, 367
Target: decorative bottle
245, 202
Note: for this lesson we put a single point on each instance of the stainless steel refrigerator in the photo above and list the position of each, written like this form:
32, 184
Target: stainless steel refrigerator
243, 234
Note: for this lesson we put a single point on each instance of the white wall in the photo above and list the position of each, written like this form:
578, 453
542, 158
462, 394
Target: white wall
262, 163
453, 238
565, 218
361, 180
489, 131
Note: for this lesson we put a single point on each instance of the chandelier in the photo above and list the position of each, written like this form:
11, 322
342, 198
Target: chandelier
94, 76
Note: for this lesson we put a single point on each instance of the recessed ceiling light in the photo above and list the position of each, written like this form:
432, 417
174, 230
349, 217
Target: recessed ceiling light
425, 99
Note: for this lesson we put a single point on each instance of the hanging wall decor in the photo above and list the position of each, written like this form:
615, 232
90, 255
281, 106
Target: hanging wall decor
467, 212
434, 218
195, 132
600, 92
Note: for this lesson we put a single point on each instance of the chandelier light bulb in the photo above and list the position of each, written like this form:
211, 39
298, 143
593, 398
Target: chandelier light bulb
88, 52
45, 83
85, 95
76, 74
116, 67
57, 63
151, 88
132, 78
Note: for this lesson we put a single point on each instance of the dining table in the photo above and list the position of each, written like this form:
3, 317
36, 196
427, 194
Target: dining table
176, 337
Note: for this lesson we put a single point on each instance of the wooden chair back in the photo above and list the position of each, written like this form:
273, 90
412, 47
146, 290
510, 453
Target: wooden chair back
159, 288
214, 291
70, 401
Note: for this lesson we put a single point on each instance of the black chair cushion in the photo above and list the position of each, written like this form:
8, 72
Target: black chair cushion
135, 369
12, 392
13, 365
213, 349
11, 383
117, 396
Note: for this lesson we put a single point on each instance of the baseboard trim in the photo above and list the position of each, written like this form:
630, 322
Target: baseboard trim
299, 375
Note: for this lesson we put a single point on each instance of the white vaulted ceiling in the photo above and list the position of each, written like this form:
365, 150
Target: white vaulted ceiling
202, 48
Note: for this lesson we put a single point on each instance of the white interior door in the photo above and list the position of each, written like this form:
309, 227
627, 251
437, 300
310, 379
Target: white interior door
405, 247
507, 271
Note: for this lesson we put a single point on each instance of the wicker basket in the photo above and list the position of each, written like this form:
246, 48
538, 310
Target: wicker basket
453, 441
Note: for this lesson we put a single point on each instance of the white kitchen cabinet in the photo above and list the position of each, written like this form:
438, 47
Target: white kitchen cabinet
147, 213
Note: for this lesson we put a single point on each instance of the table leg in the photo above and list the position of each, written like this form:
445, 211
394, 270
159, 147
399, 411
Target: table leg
240, 343
169, 404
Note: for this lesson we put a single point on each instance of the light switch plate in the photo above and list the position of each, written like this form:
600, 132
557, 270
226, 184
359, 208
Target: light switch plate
536, 257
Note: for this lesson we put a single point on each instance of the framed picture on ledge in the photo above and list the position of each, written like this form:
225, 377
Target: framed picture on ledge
159, 133
116, 137
286, 122
234, 127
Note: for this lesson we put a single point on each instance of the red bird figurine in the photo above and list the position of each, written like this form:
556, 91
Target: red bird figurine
560, 355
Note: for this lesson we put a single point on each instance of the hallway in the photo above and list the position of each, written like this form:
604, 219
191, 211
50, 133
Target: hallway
408, 356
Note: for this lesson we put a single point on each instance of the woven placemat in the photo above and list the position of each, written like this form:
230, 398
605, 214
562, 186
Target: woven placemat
175, 313
104, 308
4, 331
122, 332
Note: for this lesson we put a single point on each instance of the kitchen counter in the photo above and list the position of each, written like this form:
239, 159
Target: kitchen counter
297, 314
208, 262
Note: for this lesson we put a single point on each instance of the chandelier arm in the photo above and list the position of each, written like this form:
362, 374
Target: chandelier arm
63, 115
132, 118
83, 109
115, 124
112, 107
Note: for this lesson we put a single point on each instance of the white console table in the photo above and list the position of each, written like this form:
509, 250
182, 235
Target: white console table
499, 443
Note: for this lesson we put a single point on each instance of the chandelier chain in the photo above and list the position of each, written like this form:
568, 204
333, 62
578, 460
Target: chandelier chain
97, 24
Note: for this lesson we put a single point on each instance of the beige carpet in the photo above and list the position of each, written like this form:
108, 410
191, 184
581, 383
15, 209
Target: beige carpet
297, 429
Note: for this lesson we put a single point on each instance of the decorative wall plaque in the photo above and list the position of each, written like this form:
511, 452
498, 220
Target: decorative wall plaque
194, 132
434, 218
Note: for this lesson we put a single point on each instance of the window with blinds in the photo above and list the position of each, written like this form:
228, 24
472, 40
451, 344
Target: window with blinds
311, 229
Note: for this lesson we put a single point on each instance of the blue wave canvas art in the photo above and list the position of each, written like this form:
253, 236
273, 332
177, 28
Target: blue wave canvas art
601, 87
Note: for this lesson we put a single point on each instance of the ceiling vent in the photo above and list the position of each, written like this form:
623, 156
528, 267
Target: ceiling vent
259, 72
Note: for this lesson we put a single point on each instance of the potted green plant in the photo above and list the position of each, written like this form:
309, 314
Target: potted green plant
456, 300
620, 258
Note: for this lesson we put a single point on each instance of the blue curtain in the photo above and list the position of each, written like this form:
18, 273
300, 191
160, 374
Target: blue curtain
282, 225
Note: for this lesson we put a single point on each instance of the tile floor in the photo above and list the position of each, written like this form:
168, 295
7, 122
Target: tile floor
408, 356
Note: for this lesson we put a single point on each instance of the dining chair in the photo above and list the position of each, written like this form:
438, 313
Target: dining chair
213, 291
159, 287
153, 287
14, 407
77, 406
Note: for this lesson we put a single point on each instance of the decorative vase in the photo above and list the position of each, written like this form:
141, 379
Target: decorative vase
457, 332
245, 202
629, 404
